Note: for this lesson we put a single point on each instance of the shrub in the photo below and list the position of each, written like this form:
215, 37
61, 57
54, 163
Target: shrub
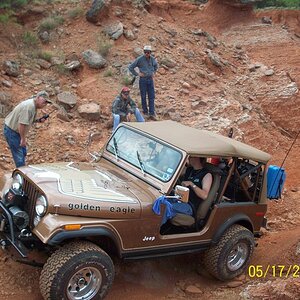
75, 13
13, 3
108, 73
104, 45
45, 55
61, 69
4, 18
51, 23
30, 39
127, 80
279, 3
7, 16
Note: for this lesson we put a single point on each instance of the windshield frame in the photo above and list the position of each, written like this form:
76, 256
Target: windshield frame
121, 161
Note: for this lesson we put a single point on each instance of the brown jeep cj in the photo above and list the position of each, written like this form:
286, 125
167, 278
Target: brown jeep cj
82, 214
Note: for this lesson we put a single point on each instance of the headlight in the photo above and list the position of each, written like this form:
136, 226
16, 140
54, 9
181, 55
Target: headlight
16, 186
41, 205
18, 181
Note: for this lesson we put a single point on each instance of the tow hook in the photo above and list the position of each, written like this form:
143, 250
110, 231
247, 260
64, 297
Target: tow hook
3, 244
25, 233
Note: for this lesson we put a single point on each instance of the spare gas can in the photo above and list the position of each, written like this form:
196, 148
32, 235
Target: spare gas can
275, 181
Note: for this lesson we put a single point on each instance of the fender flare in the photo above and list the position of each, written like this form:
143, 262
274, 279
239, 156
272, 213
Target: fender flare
240, 219
84, 233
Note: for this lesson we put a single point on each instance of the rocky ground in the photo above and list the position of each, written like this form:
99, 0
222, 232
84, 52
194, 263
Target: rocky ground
220, 67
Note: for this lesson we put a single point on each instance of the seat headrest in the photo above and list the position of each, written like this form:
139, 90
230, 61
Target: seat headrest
212, 168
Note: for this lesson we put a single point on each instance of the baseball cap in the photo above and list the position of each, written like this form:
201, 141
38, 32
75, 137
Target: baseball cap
147, 48
125, 89
45, 95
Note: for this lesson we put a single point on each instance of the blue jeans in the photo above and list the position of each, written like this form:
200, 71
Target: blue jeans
13, 140
146, 85
137, 114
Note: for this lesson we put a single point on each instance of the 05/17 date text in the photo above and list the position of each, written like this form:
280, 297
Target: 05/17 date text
280, 271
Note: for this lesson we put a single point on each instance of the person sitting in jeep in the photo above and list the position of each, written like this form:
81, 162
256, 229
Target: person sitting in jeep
198, 179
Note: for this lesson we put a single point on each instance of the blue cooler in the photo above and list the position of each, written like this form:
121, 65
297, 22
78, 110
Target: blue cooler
275, 181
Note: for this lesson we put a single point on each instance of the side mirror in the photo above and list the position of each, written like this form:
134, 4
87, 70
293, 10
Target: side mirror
182, 192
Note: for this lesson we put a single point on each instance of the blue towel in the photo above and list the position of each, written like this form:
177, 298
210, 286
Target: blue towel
173, 206
163, 200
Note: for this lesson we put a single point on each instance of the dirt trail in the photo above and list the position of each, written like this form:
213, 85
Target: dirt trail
274, 46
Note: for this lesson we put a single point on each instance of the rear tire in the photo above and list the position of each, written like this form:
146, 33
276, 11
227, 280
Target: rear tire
231, 256
79, 270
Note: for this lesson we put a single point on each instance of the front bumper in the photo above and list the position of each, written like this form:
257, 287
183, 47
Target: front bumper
9, 236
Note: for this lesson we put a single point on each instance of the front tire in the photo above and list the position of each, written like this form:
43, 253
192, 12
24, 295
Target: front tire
79, 270
231, 256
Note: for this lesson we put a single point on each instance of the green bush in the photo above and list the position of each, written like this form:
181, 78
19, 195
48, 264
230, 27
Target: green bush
30, 40
12, 3
45, 55
103, 45
51, 23
126, 80
61, 69
75, 13
279, 3
108, 73
4, 18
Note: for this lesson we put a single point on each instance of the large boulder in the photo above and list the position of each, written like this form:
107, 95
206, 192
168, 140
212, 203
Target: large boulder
90, 111
67, 99
94, 59
114, 30
11, 68
97, 9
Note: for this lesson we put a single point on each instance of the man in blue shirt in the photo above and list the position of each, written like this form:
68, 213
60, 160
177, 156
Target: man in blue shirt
147, 65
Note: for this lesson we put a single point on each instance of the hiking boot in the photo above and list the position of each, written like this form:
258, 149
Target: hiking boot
153, 118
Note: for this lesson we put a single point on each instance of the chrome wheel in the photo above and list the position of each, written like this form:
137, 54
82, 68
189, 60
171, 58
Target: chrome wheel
84, 284
237, 256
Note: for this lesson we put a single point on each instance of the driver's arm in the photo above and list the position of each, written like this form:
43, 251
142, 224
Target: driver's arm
206, 185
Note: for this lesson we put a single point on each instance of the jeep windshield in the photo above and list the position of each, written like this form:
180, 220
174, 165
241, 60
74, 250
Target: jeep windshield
147, 154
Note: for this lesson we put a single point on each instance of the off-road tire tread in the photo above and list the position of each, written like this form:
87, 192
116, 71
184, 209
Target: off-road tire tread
212, 255
59, 258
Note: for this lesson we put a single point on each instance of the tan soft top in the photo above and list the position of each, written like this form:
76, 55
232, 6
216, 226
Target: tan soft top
199, 142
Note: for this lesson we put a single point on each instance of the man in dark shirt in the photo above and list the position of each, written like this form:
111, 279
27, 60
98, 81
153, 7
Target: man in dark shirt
148, 66
124, 107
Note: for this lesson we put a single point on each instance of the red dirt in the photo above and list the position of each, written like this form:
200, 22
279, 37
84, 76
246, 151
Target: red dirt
167, 278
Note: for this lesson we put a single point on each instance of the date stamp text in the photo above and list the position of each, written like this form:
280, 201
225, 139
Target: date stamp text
278, 271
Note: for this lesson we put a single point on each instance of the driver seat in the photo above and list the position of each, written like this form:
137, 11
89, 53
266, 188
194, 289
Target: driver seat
188, 221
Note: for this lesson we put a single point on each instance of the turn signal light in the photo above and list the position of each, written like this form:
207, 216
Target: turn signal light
259, 214
72, 227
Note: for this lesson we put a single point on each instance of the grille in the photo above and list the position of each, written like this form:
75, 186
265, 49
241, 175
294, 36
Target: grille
32, 193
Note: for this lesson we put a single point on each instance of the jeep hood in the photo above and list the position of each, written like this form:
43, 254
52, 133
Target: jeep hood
87, 180
82, 185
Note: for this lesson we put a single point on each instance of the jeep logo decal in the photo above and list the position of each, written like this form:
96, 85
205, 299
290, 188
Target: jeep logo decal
148, 238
